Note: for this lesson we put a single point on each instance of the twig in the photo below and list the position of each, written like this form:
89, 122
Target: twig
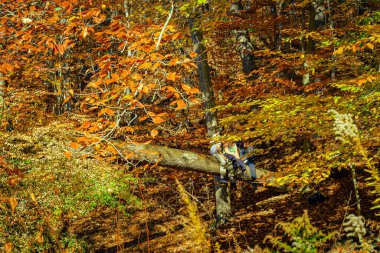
344, 218
146, 220
165, 25
126, 9
354, 181
200, 203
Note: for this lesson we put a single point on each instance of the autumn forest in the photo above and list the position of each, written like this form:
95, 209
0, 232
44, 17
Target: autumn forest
119, 120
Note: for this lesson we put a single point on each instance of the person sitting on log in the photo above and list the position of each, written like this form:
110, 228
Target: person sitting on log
231, 151
217, 152
245, 152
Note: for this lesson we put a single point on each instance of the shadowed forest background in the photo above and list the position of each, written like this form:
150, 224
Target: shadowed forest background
108, 110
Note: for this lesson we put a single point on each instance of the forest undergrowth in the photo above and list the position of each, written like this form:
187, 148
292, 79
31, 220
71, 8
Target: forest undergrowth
108, 110
54, 203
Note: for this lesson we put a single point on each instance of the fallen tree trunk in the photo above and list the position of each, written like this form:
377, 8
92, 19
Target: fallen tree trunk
175, 158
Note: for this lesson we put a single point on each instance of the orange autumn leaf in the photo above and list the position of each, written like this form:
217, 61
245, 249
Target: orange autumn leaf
84, 32
193, 91
180, 104
33, 197
74, 145
185, 87
99, 19
145, 65
112, 158
65, 3
101, 112
177, 36
173, 62
127, 129
8, 247
82, 140
93, 85
98, 157
156, 56
61, 49
158, 120
193, 54
39, 237
109, 112
141, 119
338, 51
136, 76
172, 76
361, 81
66, 100
154, 133
7, 66
112, 150
86, 125
68, 154
164, 114
370, 46
170, 88
13, 203
156, 65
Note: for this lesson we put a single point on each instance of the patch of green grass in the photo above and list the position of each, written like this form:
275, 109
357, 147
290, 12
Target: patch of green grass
113, 192
63, 191
73, 244
19, 162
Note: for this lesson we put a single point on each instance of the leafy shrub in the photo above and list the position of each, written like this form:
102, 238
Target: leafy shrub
193, 223
113, 193
300, 236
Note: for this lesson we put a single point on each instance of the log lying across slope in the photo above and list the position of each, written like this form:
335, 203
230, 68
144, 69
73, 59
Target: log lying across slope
176, 158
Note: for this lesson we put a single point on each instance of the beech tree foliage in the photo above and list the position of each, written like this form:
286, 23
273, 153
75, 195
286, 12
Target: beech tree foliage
101, 58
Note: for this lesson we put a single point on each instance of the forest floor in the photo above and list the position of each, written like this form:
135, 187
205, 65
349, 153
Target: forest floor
87, 205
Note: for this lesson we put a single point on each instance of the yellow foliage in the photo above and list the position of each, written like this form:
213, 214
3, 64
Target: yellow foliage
305, 238
193, 223
348, 133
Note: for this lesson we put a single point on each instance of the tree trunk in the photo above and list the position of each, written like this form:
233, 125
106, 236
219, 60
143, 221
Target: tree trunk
244, 46
222, 192
333, 56
127, 10
2, 87
203, 73
309, 42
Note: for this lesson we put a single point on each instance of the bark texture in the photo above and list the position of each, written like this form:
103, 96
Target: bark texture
175, 158
222, 192
203, 73
244, 45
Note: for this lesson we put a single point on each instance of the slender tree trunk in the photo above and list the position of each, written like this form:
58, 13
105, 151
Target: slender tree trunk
331, 26
222, 192
2, 89
309, 43
317, 18
2, 86
203, 73
309, 40
127, 11
245, 50
275, 9
244, 46
357, 196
